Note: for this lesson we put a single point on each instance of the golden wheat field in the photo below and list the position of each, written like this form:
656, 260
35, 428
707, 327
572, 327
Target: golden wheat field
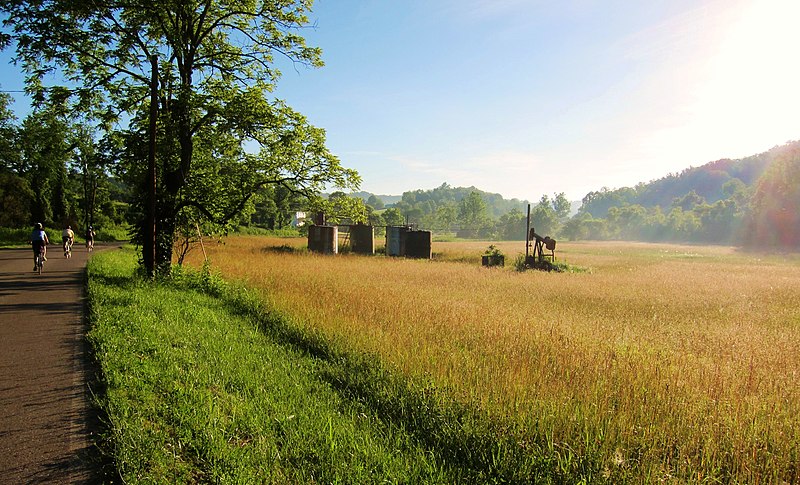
678, 361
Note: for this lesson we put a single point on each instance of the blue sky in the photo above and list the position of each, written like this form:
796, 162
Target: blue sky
530, 97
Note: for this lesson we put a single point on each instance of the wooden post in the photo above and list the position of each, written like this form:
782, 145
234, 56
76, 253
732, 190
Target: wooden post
200, 235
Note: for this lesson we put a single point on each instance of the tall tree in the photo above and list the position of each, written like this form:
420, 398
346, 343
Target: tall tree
544, 218
472, 209
215, 67
561, 205
375, 202
393, 217
775, 219
9, 155
44, 153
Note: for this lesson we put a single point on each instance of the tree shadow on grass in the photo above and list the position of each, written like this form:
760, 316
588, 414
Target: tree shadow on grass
283, 249
472, 446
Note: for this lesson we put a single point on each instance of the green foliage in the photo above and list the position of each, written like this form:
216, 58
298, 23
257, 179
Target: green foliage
375, 202
472, 210
110, 233
44, 152
274, 207
16, 198
775, 219
493, 250
583, 226
722, 202
561, 206
709, 183
339, 208
215, 69
10, 237
544, 218
446, 207
9, 155
520, 264
512, 226
393, 217
51, 170
257, 231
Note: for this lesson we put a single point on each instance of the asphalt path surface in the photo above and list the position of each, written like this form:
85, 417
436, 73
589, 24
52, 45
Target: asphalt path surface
45, 417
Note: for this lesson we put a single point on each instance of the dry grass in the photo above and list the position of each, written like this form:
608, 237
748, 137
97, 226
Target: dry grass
674, 361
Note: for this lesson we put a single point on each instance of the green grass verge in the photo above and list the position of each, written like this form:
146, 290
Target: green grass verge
260, 231
107, 234
204, 384
14, 238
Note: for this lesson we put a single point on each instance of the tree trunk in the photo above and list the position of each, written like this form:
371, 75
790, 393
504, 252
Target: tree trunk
165, 231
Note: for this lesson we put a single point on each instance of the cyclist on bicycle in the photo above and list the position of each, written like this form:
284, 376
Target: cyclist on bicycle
90, 238
67, 236
39, 240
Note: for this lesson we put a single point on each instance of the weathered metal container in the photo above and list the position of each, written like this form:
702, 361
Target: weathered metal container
362, 239
396, 240
323, 239
493, 260
418, 244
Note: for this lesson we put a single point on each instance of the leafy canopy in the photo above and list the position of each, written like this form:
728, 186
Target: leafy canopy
220, 136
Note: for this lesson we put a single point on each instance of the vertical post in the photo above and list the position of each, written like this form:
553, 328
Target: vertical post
149, 243
527, 233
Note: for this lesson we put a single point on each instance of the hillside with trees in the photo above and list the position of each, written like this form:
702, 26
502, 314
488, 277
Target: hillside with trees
752, 201
466, 212
774, 219
747, 201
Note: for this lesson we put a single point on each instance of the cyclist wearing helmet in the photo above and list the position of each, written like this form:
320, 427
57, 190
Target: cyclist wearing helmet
39, 240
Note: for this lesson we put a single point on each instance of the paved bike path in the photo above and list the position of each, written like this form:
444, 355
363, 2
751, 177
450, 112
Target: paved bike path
45, 421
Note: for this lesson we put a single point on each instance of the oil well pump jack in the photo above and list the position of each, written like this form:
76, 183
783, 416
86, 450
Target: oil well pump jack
535, 245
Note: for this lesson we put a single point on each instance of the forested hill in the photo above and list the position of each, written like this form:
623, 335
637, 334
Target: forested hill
387, 200
749, 201
426, 201
752, 201
468, 211
496, 205
708, 183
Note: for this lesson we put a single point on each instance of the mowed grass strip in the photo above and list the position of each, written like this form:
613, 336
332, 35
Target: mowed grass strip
195, 392
661, 363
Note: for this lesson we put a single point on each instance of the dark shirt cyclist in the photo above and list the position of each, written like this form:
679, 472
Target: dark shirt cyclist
39, 240
90, 237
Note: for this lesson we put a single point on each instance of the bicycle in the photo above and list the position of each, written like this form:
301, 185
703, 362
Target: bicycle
38, 261
68, 248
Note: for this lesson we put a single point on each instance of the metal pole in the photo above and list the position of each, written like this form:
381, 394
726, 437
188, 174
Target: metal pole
149, 243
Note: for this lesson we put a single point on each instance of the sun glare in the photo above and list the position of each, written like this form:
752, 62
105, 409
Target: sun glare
751, 95
738, 95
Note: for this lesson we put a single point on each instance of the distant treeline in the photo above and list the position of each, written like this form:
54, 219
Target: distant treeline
468, 212
753, 201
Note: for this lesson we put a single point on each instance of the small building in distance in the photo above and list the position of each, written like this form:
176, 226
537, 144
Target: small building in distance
404, 241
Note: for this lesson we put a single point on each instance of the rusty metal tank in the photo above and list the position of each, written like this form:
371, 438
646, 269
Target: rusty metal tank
323, 239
